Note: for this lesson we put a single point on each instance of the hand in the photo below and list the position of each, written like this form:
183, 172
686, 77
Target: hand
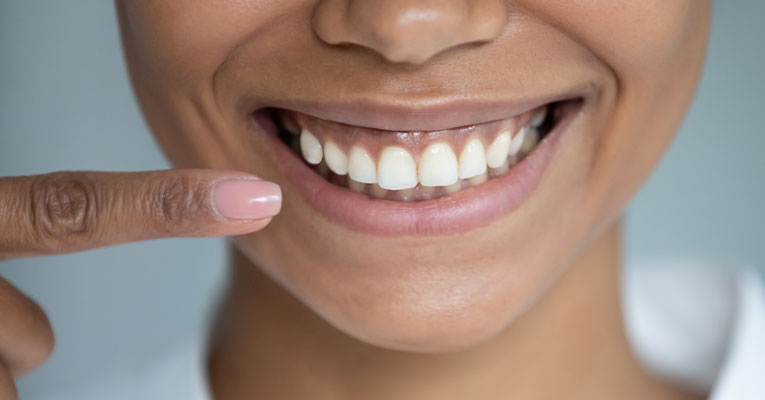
65, 212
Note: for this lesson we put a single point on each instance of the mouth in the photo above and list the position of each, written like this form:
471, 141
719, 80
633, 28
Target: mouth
392, 182
413, 166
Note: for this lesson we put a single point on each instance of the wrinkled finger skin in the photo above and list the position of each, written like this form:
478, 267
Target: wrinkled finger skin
64, 212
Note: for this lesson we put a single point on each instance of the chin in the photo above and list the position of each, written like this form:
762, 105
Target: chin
424, 301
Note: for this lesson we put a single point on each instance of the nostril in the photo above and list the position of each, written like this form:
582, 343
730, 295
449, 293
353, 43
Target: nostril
329, 23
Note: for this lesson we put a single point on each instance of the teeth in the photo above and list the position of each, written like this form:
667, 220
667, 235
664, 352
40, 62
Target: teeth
396, 169
498, 151
517, 141
310, 147
500, 169
427, 191
406, 194
530, 141
538, 118
356, 186
323, 170
472, 159
438, 166
335, 158
378, 192
361, 167
396, 176
478, 179
453, 188
512, 160
289, 124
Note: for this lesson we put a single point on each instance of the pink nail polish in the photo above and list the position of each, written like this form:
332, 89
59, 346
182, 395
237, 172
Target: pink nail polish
247, 199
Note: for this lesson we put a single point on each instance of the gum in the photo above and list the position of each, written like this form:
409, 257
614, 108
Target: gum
374, 140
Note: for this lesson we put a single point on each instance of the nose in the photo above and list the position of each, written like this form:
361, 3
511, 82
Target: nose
409, 31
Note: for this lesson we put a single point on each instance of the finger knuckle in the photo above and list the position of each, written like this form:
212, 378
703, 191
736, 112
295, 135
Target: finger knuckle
27, 331
40, 338
176, 202
7, 386
63, 205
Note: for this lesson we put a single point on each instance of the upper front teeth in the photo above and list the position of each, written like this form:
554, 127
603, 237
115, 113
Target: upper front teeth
361, 166
396, 168
473, 159
517, 142
498, 150
335, 158
438, 166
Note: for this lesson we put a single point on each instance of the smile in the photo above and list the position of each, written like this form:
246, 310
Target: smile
391, 182
412, 166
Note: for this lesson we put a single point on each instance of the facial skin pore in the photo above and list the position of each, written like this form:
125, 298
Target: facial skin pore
533, 294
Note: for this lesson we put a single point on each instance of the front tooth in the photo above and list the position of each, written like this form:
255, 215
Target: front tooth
498, 150
472, 159
478, 179
438, 166
361, 167
517, 141
310, 147
336, 159
396, 169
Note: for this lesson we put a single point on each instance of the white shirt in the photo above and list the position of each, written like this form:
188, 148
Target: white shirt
699, 325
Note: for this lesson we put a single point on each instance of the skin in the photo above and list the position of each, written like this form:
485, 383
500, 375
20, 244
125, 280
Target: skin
317, 308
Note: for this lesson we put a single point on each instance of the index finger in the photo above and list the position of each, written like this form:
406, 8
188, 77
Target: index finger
64, 212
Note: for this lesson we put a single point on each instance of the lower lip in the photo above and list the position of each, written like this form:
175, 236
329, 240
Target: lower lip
457, 213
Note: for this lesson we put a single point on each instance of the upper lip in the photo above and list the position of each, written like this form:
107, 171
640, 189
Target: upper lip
423, 115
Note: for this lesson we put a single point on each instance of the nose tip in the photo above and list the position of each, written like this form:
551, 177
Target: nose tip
409, 31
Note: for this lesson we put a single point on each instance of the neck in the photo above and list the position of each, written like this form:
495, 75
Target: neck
570, 344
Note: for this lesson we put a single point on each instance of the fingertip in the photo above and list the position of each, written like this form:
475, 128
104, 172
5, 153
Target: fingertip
243, 227
260, 224
247, 199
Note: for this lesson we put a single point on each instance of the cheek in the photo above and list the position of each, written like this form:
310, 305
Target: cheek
175, 52
655, 50
188, 40
630, 36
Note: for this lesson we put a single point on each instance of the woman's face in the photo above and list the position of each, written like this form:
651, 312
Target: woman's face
394, 237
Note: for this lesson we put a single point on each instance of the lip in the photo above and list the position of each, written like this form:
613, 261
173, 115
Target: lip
456, 213
432, 114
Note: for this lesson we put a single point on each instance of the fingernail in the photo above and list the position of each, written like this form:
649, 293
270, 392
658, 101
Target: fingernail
247, 199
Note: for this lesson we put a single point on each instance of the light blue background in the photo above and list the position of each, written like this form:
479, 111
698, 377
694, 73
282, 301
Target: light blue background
65, 103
